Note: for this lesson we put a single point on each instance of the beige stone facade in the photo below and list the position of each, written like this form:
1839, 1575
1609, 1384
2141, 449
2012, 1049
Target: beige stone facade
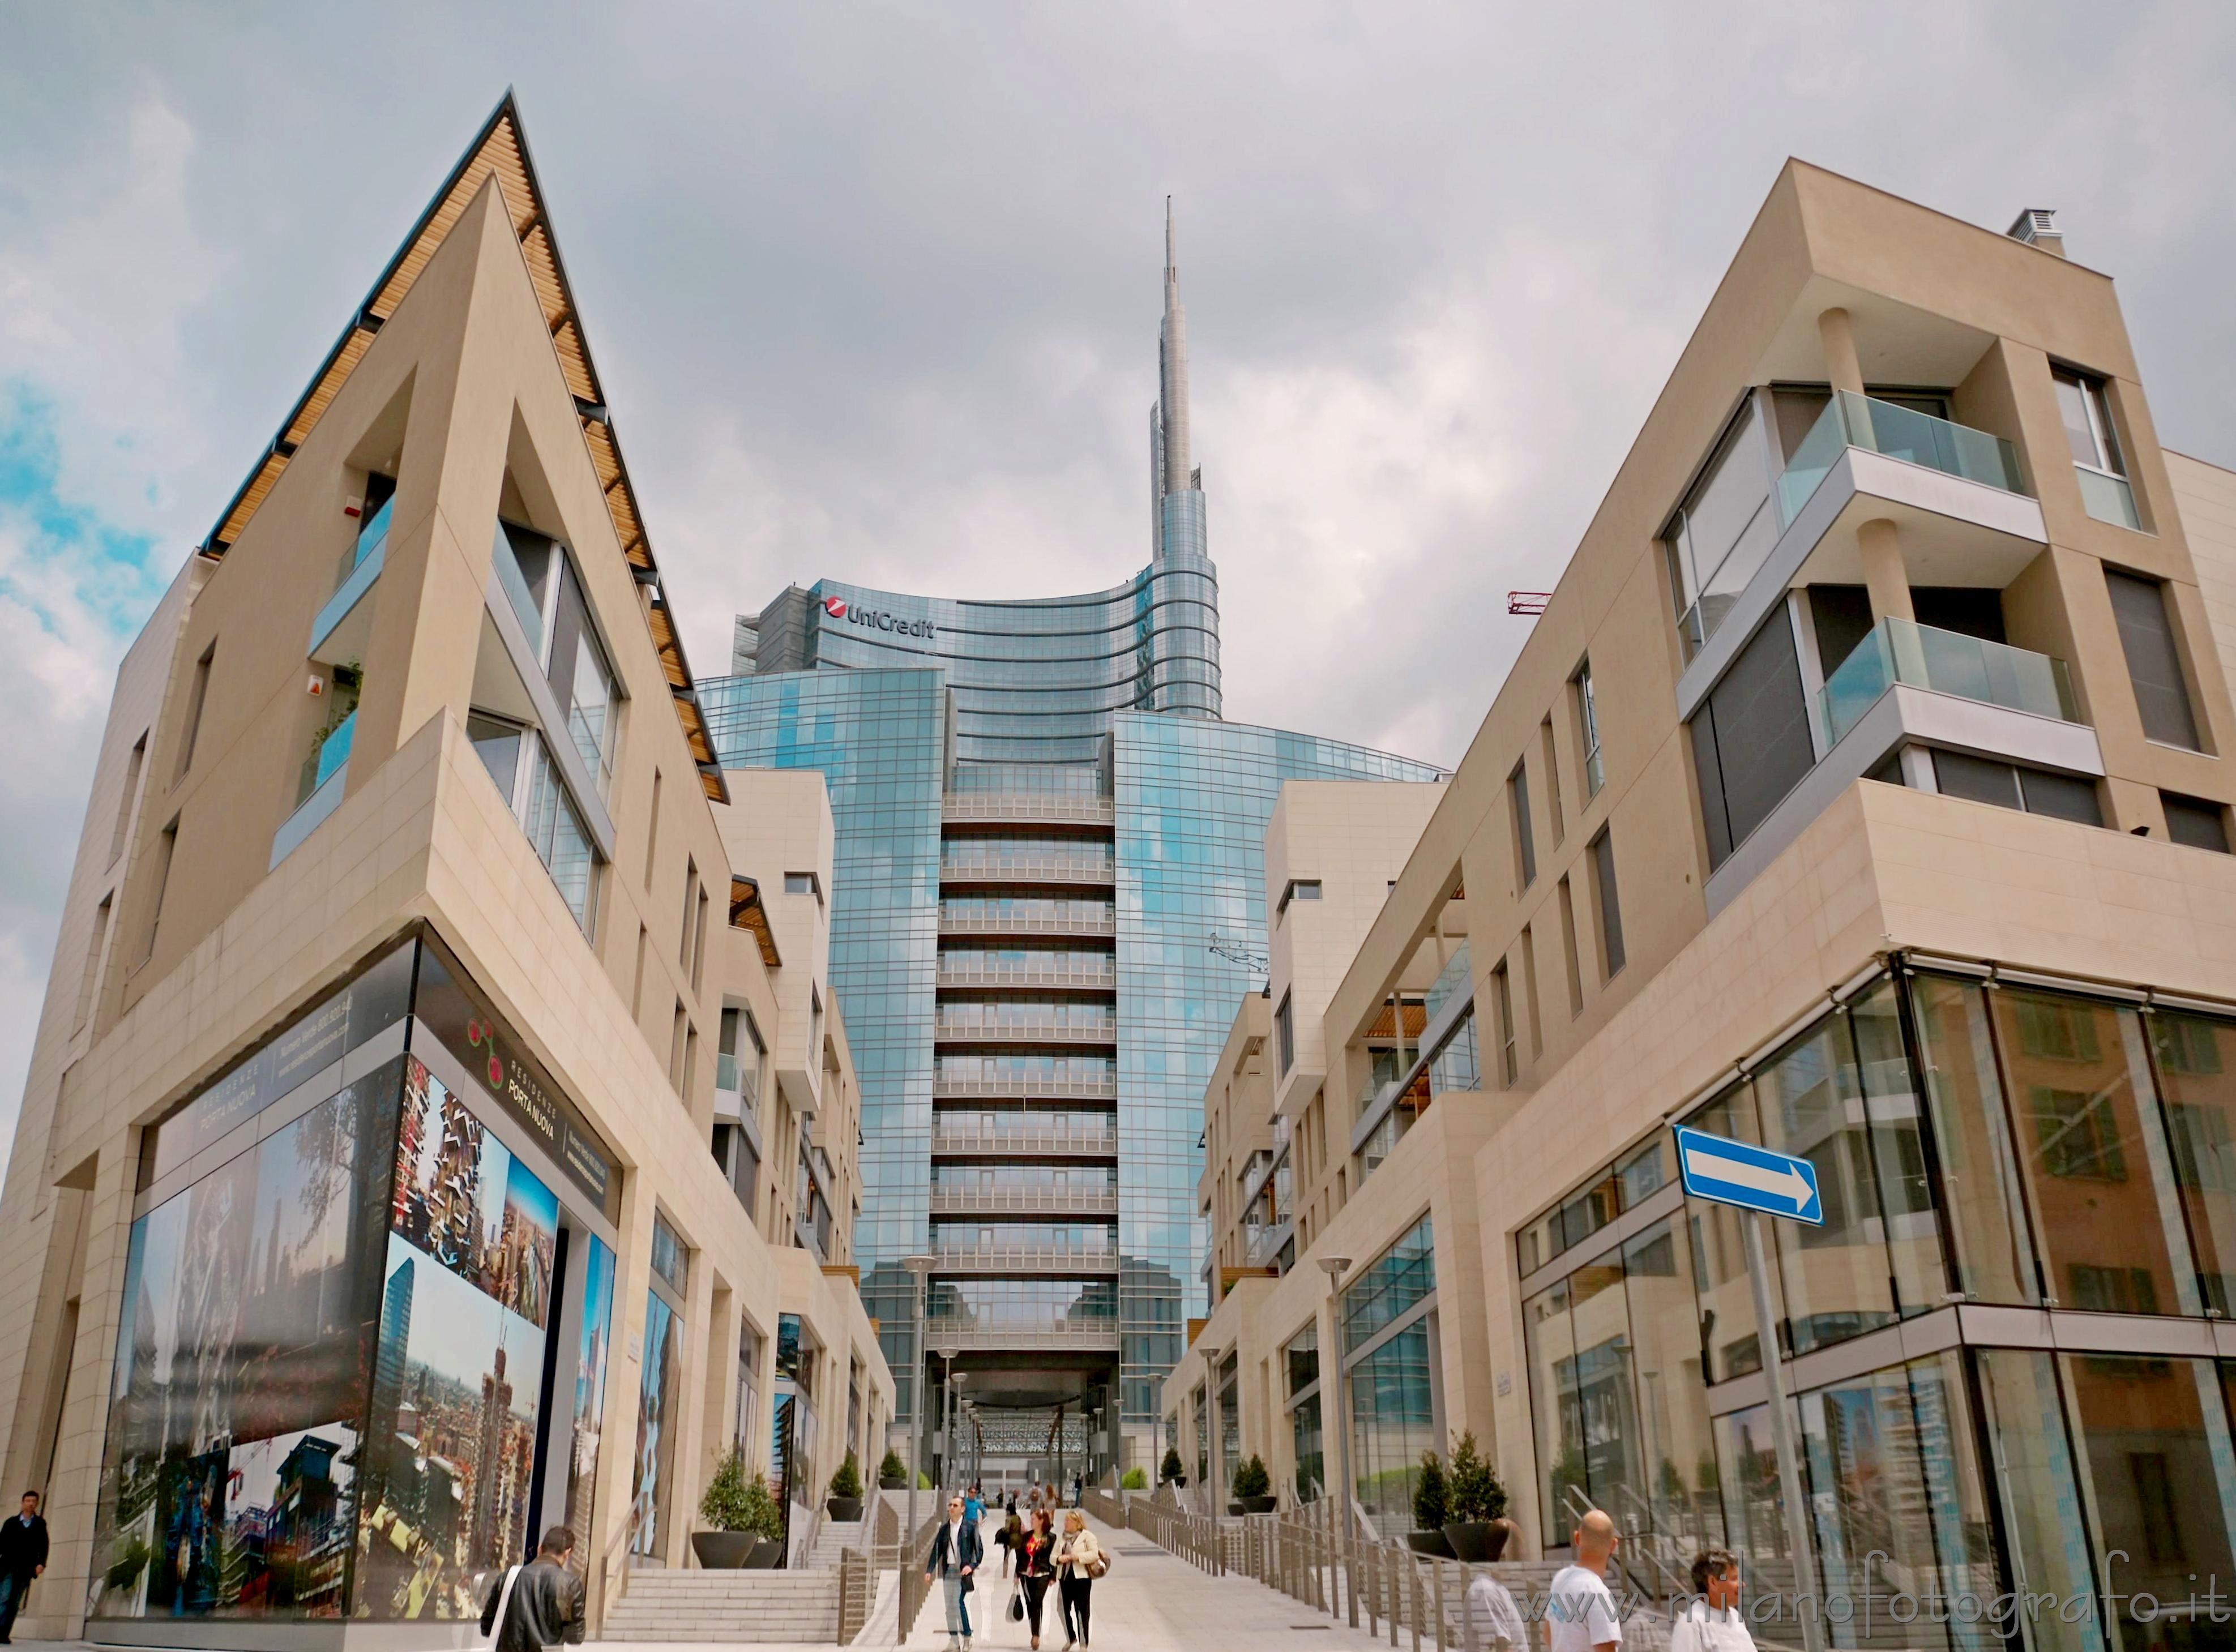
1859, 792
250, 845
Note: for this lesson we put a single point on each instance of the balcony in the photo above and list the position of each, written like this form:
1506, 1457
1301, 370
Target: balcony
959, 1087
1029, 869
1020, 1030
1262, 1241
1068, 1260
738, 1078
1016, 923
1952, 493
1026, 807
1052, 1335
1052, 1141
1104, 979
326, 777
950, 1200
1992, 673
331, 644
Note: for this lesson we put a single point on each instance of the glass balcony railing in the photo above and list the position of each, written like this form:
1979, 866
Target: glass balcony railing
1948, 662
373, 537
1849, 420
326, 762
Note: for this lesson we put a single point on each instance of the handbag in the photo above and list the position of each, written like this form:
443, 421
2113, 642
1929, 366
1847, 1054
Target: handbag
1099, 1565
1016, 1606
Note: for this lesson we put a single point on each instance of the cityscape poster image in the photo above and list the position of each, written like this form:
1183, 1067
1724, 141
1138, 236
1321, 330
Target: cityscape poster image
465, 1300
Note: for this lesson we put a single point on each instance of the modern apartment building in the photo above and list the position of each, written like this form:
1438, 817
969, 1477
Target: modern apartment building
1860, 793
379, 1195
1048, 854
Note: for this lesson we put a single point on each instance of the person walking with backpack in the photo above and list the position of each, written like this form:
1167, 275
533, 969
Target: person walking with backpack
1079, 1561
545, 1606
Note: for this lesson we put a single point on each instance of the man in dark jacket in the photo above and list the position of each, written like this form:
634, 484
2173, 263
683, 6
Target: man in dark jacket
547, 1600
956, 1552
23, 1556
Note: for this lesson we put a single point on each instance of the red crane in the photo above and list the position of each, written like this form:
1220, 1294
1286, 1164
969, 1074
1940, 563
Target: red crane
1527, 602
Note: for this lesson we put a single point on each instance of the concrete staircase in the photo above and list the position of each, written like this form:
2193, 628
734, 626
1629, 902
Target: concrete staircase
836, 1536
728, 1606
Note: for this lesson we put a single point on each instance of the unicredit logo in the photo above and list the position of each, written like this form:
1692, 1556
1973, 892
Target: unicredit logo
877, 619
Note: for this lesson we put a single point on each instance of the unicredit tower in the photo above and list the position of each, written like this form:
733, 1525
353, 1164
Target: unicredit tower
1043, 826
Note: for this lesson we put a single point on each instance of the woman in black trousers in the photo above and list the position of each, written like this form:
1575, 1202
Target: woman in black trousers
1036, 1570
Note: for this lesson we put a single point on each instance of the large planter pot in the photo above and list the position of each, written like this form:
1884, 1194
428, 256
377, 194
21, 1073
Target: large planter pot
1431, 1544
898, 1482
843, 1507
722, 1551
1260, 1505
1235, 1507
765, 1553
1476, 1542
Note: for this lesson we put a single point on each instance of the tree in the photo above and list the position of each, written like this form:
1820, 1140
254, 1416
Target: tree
847, 1482
1430, 1511
892, 1471
726, 1505
1137, 1479
1171, 1468
1251, 1480
1476, 1496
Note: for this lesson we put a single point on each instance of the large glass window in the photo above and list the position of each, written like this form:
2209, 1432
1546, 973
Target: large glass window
596, 1347
2195, 1077
1389, 1285
237, 1409
1988, 1235
1728, 1337
1311, 1454
1674, 1455
1393, 1421
2095, 1165
1721, 533
1751, 743
2147, 636
658, 1394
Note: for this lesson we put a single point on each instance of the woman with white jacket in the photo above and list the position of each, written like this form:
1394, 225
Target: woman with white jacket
1079, 1561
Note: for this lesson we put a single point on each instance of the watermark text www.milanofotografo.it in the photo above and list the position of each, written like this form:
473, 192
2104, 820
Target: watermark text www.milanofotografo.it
2206, 1601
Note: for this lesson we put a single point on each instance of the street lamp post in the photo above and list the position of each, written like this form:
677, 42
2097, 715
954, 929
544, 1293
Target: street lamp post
947, 1409
917, 1267
1331, 1367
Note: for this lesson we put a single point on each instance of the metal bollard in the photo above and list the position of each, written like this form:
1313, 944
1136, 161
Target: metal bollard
1436, 1596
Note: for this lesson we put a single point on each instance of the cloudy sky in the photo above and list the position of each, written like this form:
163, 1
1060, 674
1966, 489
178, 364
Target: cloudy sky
874, 291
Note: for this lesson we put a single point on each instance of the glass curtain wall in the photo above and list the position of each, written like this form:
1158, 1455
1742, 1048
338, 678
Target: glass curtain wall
659, 1393
1301, 1372
1392, 1383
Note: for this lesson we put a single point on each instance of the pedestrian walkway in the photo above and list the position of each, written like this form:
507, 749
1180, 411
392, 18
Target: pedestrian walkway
1150, 1603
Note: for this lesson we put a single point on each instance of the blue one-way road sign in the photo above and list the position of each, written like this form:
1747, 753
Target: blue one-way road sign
1740, 1172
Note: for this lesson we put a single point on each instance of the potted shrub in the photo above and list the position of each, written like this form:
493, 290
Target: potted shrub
767, 1517
844, 1502
727, 1508
1137, 1479
1171, 1472
893, 1473
1254, 1487
1478, 1501
1430, 1509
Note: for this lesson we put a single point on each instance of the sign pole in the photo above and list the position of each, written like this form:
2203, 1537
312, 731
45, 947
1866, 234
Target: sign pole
1781, 1432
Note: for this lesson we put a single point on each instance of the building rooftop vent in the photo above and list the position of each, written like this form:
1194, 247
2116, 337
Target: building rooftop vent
2037, 227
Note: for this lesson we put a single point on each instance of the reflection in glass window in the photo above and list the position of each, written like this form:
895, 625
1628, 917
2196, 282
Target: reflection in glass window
2095, 1165
561, 840
1311, 1457
1392, 1423
1987, 1230
596, 1347
1549, 1340
1389, 1285
1719, 1268
2199, 1082
1675, 1479
1913, 1228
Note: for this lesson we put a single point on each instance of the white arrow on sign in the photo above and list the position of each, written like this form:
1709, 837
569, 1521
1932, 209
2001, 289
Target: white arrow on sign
1783, 1183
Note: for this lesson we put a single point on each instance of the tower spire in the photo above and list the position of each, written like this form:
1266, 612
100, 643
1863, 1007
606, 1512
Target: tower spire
1173, 388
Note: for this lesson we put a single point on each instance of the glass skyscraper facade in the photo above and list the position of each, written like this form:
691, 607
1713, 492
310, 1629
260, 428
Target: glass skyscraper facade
1042, 824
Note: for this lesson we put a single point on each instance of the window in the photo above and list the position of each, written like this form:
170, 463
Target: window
679, 1032
1530, 990
1751, 741
561, 840
498, 744
2194, 821
1612, 957
690, 1059
1588, 732
1502, 992
1568, 950
90, 985
1285, 1032
197, 694
131, 789
690, 906
2153, 660
2105, 492
1551, 763
699, 945
1299, 888
1721, 533
2066, 797
167, 846
803, 883
636, 993
652, 832
1525, 846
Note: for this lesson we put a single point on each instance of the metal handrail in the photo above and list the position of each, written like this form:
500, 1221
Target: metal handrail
951, 1029
1028, 977
1096, 869
1054, 1259
1015, 924
610, 1592
1016, 806
1085, 1143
